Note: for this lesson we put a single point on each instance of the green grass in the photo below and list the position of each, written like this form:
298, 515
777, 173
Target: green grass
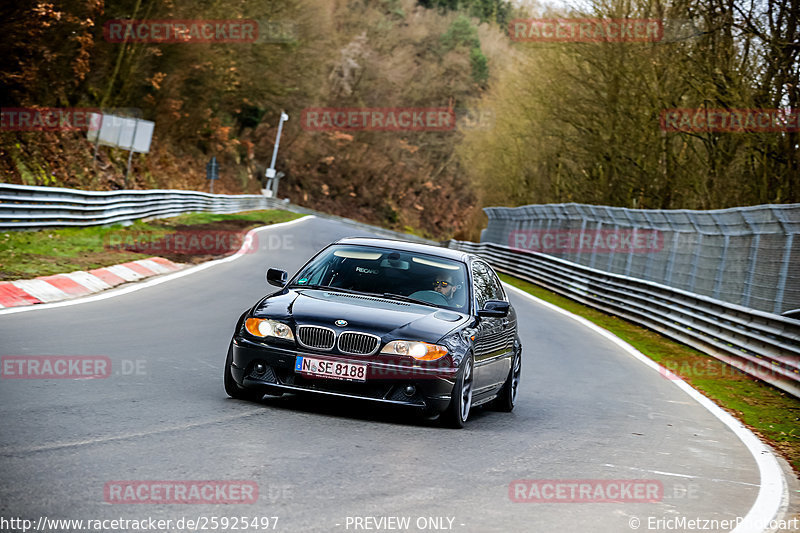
28, 254
769, 412
271, 216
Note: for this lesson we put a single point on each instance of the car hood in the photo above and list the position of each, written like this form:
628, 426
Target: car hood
379, 316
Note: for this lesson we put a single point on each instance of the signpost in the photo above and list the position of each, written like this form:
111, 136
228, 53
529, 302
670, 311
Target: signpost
132, 134
271, 189
212, 172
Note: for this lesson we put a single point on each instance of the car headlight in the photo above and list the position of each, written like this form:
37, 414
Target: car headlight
422, 351
264, 327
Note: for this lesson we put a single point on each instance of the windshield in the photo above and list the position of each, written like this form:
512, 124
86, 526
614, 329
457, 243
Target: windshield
389, 273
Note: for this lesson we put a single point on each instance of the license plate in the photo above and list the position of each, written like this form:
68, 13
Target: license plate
330, 369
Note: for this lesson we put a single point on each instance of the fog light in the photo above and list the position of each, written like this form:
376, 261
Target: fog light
260, 368
410, 390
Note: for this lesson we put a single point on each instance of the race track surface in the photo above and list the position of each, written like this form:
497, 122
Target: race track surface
586, 411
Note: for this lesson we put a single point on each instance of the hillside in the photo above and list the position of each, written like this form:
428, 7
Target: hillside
533, 120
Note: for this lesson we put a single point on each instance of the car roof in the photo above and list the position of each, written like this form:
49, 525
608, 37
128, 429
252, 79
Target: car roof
406, 246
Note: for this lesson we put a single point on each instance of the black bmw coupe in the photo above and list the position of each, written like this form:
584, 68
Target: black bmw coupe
386, 321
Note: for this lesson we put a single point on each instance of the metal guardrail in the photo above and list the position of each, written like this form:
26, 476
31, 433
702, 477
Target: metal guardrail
27, 207
31, 207
763, 345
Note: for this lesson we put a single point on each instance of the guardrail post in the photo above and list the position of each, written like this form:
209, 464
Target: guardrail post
594, 248
721, 267
787, 253
671, 260
610, 263
751, 262
697, 247
629, 259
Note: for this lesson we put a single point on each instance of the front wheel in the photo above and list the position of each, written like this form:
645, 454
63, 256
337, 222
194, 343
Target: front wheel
232, 388
461, 398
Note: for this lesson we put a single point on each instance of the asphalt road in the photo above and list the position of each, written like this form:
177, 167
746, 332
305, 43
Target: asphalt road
586, 411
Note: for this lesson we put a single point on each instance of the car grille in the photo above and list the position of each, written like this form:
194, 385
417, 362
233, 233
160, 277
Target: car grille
316, 337
354, 343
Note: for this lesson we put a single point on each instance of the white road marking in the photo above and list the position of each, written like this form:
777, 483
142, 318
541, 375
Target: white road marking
155, 281
687, 476
773, 494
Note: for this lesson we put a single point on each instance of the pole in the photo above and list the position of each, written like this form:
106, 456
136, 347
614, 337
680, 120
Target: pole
272, 181
130, 155
284, 117
97, 142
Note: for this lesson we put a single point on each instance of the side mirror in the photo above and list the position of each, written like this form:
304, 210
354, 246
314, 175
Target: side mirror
277, 277
495, 309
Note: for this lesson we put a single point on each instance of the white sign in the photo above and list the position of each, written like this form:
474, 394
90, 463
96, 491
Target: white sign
132, 134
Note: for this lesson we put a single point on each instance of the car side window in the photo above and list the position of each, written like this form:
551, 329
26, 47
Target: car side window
483, 283
487, 286
497, 287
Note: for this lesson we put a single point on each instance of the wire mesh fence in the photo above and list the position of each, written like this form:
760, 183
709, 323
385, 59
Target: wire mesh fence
748, 256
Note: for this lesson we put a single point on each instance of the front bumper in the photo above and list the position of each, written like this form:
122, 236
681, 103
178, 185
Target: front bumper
386, 382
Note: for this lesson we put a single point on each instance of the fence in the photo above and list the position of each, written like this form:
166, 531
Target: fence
23, 206
761, 344
748, 256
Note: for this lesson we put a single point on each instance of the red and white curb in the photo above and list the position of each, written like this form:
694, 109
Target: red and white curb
47, 289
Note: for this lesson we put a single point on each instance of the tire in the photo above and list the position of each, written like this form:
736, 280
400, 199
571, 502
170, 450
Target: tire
507, 398
232, 388
461, 398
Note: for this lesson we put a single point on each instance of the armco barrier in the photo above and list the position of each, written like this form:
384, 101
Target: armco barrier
761, 344
27, 207
30, 207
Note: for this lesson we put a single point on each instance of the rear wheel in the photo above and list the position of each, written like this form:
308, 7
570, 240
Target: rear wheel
461, 398
232, 388
508, 394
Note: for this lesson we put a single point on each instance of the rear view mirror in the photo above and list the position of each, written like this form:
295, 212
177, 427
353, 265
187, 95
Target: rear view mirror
494, 308
277, 277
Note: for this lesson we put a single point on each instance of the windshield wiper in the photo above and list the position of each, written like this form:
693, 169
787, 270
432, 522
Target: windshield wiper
332, 289
406, 299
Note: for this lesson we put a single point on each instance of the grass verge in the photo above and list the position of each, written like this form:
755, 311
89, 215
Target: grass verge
769, 412
28, 254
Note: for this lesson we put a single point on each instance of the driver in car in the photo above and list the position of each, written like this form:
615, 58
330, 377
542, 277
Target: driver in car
445, 286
